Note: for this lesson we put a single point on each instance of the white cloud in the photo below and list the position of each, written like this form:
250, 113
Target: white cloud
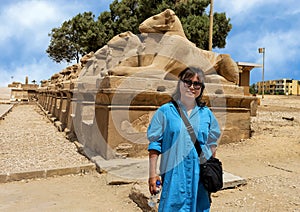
271, 24
24, 27
235, 7
281, 51
245, 7
35, 69
29, 17
244, 13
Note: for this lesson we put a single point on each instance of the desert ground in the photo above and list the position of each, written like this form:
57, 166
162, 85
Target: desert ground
269, 161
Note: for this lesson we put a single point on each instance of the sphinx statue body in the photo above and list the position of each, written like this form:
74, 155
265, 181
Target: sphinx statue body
162, 51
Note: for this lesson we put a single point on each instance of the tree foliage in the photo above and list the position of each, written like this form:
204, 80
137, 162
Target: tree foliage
74, 38
83, 34
252, 89
124, 16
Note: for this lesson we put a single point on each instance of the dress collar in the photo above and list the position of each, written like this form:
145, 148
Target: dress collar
181, 105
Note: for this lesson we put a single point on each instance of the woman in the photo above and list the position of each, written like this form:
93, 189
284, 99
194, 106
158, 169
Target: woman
168, 136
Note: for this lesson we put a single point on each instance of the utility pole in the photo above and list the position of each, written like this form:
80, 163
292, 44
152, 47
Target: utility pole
262, 50
211, 23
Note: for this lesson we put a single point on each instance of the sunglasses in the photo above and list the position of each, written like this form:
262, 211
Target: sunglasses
196, 84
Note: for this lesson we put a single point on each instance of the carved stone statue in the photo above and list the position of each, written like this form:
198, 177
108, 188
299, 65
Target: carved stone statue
163, 50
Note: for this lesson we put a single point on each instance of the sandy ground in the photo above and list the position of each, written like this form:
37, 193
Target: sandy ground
269, 161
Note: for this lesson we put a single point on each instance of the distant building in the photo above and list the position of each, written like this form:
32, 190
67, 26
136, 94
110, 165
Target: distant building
244, 75
23, 92
279, 87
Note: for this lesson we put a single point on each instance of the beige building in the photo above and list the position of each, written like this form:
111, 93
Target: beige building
23, 92
280, 86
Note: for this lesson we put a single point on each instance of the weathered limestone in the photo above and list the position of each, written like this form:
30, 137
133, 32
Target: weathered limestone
164, 47
55, 96
128, 112
108, 99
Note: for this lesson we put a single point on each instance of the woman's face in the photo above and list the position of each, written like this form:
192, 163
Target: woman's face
189, 87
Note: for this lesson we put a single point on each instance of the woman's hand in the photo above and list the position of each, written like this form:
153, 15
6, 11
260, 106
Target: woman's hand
153, 177
152, 184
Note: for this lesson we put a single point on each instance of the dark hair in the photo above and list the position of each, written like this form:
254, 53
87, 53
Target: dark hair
188, 73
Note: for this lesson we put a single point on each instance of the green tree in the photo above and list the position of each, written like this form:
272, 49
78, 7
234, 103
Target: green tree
124, 16
221, 28
148, 8
195, 22
75, 38
196, 30
252, 89
106, 27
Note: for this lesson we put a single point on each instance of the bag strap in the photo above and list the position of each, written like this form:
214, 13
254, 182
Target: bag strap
188, 127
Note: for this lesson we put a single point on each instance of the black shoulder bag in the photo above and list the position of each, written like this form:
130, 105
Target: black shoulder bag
211, 172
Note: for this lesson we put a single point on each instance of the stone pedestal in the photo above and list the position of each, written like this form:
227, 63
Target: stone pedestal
109, 116
124, 107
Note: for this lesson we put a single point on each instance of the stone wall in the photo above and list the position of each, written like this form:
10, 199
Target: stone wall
112, 120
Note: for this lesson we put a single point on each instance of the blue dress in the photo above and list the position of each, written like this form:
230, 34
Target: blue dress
180, 166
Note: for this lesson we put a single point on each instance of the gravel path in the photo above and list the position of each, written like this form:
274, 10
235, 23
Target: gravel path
4, 109
29, 142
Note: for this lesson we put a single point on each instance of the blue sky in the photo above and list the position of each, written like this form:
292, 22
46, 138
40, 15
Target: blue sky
272, 24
